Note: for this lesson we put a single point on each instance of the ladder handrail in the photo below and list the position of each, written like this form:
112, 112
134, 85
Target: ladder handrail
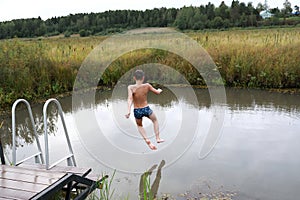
2, 158
14, 153
70, 162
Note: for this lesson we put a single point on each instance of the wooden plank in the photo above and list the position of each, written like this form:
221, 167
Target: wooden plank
94, 177
23, 186
26, 181
7, 198
15, 194
31, 171
70, 169
61, 169
28, 178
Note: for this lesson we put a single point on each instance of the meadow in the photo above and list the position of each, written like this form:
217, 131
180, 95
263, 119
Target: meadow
257, 58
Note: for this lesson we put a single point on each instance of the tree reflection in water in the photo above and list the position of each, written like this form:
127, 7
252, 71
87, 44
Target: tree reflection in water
24, 129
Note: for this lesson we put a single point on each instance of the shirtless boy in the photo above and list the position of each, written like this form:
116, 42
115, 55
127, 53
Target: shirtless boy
137, 95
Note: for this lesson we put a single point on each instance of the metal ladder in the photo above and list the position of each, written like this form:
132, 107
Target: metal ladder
39, 155
39, 158
70, 157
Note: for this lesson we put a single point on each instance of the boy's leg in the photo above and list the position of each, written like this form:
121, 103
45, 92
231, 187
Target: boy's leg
142, 131
156, 127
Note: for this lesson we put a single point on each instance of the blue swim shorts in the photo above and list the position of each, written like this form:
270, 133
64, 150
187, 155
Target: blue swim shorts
139, 113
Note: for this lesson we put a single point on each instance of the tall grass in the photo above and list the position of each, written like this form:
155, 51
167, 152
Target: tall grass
40, 68
147, 192
106, 190
267, 58
106, 193
35, 68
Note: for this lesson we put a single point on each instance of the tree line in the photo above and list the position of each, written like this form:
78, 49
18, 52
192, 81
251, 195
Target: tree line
238, 14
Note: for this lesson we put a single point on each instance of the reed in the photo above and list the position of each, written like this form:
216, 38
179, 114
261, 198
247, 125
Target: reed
105, 189
147, 193
38, 68
256, 58
260, 58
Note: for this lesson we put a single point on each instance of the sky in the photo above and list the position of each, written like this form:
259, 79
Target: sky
18, 9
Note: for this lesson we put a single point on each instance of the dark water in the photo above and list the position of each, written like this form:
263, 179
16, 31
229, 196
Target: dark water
257, 155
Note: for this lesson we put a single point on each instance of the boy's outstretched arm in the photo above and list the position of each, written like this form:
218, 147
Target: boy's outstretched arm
155, 91
129, 102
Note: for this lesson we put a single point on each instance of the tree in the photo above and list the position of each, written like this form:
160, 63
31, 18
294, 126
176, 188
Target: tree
196, 20
252, 15
184, 19
260, 7
84, 33
287, 8
222, 11
243, 9
275, 12
217, 23
235, 12
204, 16
210, 11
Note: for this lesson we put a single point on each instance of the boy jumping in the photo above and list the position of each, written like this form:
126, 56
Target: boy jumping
137, 94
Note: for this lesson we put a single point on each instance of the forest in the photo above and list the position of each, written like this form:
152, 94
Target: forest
238, 14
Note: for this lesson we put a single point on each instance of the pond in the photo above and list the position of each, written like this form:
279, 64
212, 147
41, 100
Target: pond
255, 156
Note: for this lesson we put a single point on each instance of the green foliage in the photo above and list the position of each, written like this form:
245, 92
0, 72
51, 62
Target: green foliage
84, 33
257, 58
34, 69
106, 191
50, 34
238, 14
68, 34
40, 68
147, 193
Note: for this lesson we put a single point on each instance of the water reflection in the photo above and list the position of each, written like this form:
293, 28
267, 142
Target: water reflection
257, 156
145, 190
24, 129
250, 99
238, 100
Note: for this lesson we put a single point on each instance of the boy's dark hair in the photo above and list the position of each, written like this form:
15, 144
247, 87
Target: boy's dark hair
139, 74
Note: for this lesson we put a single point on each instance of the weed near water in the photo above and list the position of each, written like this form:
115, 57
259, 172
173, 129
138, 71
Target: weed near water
259, 58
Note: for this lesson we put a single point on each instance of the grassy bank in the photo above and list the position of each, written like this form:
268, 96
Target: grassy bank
259, 58
266, 58
39, 68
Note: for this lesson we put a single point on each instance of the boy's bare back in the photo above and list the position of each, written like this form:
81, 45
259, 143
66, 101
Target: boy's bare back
139, 94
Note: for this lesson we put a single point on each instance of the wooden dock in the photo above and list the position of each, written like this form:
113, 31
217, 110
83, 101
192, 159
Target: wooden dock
17, 182
41, 180
23, 183
34, 181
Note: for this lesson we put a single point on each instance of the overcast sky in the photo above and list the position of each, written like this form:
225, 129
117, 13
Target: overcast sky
17, 9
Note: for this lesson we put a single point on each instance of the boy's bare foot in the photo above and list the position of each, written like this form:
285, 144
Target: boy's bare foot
151, 146
159, 140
